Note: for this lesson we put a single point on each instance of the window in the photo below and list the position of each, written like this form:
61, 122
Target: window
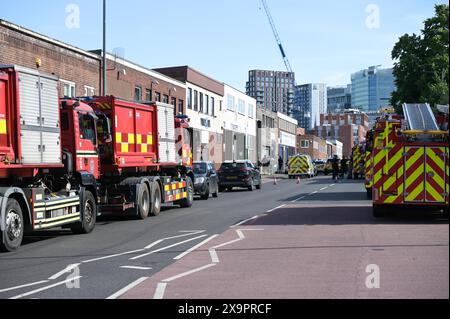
206, 104
148, 95
89, 91
189, 99
158, 96
241, 106
174, 102
230, 102
304, 144
195, 100
250, 111
137, 93
180, 106
87, 127
165, 99
68, 88
213, 107
201, 102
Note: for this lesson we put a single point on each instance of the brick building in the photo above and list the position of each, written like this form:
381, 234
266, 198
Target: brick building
311, 145
79, 71
349, 128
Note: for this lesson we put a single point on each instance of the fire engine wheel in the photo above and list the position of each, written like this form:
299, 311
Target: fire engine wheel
156, 200
87, 225
143, 202
379, 211
189, 200
14, 227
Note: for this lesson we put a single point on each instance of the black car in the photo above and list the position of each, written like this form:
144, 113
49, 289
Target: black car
239, 174
206, 180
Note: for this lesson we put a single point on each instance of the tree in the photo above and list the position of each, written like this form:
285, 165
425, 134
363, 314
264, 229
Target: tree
421, 65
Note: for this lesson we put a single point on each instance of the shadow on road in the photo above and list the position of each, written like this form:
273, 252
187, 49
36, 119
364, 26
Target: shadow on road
329, 197
345, 215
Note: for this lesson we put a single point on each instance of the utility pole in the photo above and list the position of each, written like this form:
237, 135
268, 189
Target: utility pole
104, 48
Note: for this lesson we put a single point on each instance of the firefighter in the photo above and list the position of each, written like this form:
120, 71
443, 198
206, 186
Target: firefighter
335, 166
344, 167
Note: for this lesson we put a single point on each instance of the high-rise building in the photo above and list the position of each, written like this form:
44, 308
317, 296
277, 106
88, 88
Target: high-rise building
310, 101
372, 88
339, 98
273, 90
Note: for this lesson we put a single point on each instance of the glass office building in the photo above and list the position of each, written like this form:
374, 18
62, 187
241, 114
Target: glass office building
372, 88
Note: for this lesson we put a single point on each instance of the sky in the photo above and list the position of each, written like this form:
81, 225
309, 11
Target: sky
325, 40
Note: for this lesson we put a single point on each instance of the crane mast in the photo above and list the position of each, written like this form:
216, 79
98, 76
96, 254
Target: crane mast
277, 36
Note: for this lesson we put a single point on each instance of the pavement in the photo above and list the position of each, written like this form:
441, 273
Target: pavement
313, 239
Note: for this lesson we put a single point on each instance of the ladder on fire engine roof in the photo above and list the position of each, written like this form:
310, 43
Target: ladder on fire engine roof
420, 117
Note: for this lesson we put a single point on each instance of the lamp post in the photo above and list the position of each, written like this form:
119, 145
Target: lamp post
104, 48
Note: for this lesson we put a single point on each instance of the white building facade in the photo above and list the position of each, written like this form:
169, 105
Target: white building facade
239, 125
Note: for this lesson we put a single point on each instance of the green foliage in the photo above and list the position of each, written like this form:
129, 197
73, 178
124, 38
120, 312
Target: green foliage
421, 64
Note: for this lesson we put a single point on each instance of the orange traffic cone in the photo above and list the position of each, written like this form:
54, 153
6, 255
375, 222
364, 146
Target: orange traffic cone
298, 180
275, 180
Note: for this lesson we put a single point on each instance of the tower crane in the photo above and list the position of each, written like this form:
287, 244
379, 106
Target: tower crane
277, 36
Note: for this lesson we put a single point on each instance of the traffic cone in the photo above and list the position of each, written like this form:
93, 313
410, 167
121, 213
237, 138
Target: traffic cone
298, 180
275, 180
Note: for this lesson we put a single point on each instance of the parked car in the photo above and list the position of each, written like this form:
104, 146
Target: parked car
241, 174
206, 180
320, 165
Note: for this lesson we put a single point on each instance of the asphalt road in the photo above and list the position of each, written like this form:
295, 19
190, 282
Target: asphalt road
314, 223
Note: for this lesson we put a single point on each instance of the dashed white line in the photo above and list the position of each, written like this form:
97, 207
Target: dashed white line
136, 267
298, 199
189, 233
324, 188
313, 193
24, 286
112, 256
274, 209
167, 247
244, 221
190, 272
62, 272
195, 247
160, 290
127, 288
45, 288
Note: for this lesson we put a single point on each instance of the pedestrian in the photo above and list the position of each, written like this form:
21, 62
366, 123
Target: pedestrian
335, 167
344, 167
280, 164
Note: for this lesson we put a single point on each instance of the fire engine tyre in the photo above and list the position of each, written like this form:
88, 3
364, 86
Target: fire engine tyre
13, 234
143, 202
90, 215
189, 200
379, 211
156, 200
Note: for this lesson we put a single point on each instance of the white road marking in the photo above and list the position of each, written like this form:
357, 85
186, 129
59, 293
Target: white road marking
324, 188
64, 271
136, 267
195, 247
212, 250
189, 233
244, 221
298, 199
274, 209
24, 286
160, 290
167, 247
127, 288
332, 185
190, 272
45, 288
112, 256
313, 193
